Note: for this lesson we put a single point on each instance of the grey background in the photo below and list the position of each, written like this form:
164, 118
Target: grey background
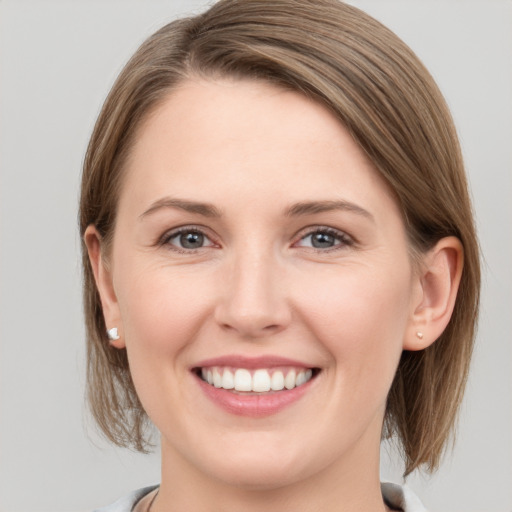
58, 60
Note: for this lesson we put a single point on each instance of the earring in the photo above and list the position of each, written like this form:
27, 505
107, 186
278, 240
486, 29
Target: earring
419, 335
112, 334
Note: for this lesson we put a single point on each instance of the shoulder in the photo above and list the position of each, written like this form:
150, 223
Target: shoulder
126, 503
400, 497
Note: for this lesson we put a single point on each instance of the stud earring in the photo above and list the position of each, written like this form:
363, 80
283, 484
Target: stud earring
112, 334
419, 335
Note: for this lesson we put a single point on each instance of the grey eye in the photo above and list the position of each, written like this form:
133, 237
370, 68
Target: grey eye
188, 239
322, 240
191, 240
325, 238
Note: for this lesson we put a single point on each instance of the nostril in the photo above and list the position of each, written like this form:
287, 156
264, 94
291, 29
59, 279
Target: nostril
251, 327
253, 309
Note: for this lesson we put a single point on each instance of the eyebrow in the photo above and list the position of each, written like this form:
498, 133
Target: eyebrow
312, 207
204, 209
295, 210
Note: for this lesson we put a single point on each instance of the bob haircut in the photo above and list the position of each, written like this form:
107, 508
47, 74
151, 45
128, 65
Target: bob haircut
380, 91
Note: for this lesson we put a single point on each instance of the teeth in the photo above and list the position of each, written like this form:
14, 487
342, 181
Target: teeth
228, 381
217, 378
301, 378
243, 380
289, 381
259, 381
277, 383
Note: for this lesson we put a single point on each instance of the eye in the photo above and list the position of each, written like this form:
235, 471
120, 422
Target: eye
325, 238
187, 239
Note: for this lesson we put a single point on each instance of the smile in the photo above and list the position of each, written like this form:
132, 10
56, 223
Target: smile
254, 387
261, 380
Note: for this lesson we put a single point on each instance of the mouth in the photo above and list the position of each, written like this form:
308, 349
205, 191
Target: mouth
256, 381
254, 387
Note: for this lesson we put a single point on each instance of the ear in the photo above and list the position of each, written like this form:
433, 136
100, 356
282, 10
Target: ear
103, 277
437, 285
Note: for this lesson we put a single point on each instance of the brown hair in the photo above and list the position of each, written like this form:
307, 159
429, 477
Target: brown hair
383, 95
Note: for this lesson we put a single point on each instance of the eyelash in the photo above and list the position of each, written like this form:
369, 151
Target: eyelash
343, 239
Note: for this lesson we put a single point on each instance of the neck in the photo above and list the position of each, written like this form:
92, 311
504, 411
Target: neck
351, 484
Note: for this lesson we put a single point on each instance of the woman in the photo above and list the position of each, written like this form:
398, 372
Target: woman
280, 260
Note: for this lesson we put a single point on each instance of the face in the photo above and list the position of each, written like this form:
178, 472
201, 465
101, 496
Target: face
257, 248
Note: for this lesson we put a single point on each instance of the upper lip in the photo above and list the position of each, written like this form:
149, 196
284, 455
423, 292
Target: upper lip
239, 361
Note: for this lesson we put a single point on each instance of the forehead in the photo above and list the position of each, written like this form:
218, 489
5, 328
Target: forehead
258, 139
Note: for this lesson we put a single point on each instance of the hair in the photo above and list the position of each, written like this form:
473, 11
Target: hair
380, 91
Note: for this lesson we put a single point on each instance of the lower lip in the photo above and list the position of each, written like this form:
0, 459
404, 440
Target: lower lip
253, 405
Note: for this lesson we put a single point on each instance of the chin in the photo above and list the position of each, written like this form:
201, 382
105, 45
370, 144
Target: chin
260, 464
257, 476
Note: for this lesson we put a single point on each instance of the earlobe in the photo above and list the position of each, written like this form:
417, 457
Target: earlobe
438, 283
104, 284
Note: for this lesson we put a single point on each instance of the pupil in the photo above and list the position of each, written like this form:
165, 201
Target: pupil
191, 240
322, 240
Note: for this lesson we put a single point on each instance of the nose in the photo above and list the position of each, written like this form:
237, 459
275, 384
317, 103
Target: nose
254, 301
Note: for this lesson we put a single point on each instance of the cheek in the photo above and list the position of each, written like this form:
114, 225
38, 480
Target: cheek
161, 308
360, 316
162, 311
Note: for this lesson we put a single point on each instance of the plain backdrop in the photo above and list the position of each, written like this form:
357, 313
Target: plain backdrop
58, 60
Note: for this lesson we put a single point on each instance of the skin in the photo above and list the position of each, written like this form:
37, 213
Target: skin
256, 287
